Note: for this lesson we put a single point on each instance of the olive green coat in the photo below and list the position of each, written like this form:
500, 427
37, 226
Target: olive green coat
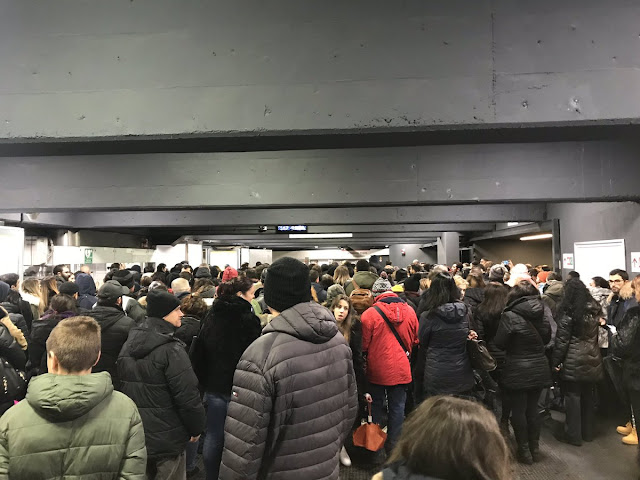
72, 426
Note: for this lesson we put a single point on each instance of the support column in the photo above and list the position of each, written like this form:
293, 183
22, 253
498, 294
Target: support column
449, 248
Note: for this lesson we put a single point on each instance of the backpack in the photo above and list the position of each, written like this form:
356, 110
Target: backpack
361, 299
14, 383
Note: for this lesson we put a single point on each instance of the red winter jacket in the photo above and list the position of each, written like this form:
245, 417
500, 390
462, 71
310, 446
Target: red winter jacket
387, 364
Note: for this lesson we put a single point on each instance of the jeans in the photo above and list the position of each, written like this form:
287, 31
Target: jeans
579, 404
192, 455
396, 400
214, 441
524, 416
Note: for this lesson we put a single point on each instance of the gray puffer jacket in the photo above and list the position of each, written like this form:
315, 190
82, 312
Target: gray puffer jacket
294, 400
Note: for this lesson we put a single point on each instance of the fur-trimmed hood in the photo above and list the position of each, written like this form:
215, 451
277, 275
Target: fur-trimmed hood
626, 292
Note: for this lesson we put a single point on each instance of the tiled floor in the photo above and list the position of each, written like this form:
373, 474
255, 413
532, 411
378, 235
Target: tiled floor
604, 459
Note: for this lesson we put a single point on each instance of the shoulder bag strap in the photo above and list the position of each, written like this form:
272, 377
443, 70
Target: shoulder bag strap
395, 333
355, 285
537, 333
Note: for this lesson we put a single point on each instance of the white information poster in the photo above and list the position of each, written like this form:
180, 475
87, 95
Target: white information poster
567, 261
598, 258
635, 261
12, 248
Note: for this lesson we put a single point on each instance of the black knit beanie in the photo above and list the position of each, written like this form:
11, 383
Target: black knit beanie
161, 303
287, 284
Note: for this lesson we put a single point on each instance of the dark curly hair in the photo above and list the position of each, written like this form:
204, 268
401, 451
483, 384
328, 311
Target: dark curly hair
577, 302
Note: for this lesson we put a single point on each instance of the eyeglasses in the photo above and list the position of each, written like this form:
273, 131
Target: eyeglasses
616, 281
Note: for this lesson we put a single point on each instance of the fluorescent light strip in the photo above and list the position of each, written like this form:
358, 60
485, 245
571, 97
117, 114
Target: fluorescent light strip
542, 236
320, 235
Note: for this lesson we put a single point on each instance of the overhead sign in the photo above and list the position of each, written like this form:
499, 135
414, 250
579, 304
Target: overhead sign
88, 255
567, 261
635, 261
291, 228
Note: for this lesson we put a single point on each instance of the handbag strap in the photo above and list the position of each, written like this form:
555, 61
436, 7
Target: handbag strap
395, 333
537, 333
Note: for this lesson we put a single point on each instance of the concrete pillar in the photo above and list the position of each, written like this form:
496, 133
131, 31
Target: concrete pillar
449, 248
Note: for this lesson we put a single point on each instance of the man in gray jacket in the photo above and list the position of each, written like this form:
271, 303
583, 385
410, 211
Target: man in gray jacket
294, 396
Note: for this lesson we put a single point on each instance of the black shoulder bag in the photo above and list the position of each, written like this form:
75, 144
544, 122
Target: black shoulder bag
395, 333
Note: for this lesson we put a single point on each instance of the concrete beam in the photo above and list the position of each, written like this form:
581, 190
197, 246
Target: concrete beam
313, 216
488, 173
43, 219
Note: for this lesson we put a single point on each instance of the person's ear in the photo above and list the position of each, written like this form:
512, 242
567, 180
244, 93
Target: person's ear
53, 366
119, 301
97, 359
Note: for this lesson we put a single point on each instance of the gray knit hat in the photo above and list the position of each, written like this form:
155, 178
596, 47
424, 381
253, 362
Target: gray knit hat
333, 292
380, 286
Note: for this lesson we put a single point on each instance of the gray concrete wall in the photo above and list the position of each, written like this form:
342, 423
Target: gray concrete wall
535, 252
412, 252
598, 221
146, 67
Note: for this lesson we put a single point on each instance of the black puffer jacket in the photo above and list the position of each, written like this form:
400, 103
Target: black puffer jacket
115, 327
486, 328
229, 328
155, 372
577, 347
16, 317
190, 328
443, 333
523, 333
11, 351
473, 297
294, 400
40, 331
625, 345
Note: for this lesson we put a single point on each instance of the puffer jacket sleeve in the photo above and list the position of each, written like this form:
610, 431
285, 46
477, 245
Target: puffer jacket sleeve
183, 385
502, 335
134, 463
623, 342
11, 350
367, 328
355, 342
424, 330
563, 339
4, 452
247, 422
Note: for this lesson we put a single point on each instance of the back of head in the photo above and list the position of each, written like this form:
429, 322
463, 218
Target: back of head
522, 289
161, 303
554, 276
124, 278
287, 284
465, 430
475, 280
600, 282
69, 288
576, 300
362, 265
237, 285
573, 274
443, 290
10, 279
75, 343
62, 303
194, 306
313, 276
180, 285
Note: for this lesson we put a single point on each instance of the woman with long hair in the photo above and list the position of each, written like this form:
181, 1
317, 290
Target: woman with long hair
62, 306
577, 357
486, 318
341, 275
444, 330
349, 325
31, 291
49, 289
523, 333
228, 329
466, 432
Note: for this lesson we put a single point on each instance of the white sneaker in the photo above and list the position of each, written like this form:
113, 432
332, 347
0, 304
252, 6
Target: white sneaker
344, 457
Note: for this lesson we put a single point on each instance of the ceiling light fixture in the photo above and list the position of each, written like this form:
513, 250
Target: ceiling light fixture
320, 235
542, 236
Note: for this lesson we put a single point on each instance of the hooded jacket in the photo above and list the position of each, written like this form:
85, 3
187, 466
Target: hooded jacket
552, 296
155, 372
72, 426
320, 292
115, 327
473, 297
443, 334
190, 328
363, 280
40, 331
625, 346
387, 363
86, 291
577, 347
229, 329
294, 400
523, 333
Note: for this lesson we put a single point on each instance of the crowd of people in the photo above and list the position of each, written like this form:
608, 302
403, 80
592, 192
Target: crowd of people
268, 371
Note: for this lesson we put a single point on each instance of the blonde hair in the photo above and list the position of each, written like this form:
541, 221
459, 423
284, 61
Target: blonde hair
341, 275
465, 432
48, 283
32, 287
424, 283
461, 282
